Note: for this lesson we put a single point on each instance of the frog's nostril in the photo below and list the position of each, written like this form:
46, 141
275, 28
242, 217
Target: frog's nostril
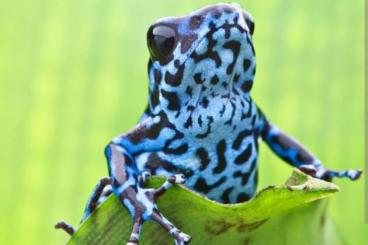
161, 41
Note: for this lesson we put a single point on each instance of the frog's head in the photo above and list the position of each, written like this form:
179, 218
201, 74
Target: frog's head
208, 51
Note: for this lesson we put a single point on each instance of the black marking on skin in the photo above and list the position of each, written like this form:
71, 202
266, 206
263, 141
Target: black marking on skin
285, 144
236, 18
225, 96
247, 86
154, 162
200, 120
227, 9
212, 26
244, 156
245, 176
154, 93
198, 78
188, 123
147, 111
172, 98
175, 79
243, 197
221, 159
249, 112
195, 22
202, 186
251, 45
190, 108
142, 133
234, 46
222, 110
225, 195
239, 139
205, 102
246, 65
224, 85
177, 151
154, 96
254, 117
209, 122
235, 91
249, 22
256, 141
178, 135
210, 53
227, 28
216, 13
186, 42
214, 80
176, 63
236, 78
189, 91
203, 156
228, 122
157, 76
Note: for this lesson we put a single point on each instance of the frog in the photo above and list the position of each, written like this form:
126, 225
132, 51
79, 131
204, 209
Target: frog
201, 127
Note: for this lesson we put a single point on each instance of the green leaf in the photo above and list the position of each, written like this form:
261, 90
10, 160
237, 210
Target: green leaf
293, 213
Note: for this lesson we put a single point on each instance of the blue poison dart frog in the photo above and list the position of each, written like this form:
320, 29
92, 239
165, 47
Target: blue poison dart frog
201, 126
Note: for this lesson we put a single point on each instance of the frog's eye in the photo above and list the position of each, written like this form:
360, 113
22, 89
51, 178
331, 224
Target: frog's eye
161, 41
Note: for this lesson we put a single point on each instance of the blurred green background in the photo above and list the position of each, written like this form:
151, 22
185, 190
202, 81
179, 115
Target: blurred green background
73, 75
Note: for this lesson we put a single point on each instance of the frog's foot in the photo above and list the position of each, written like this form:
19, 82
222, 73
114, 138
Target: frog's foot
140, 201
174, 179
144, 208
65, 226
180, 237
320, 172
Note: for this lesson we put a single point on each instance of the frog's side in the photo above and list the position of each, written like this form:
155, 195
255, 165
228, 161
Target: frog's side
200, 120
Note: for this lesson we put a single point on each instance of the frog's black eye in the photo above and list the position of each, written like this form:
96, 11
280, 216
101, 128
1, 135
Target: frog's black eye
161, 41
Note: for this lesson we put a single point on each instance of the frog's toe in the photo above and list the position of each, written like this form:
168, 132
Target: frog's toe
179, 178
355, 174
327, 174
135, 242
351, 174
65, 226
182, 238
144, 176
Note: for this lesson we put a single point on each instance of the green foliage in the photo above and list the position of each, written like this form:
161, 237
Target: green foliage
277, 213
73, 76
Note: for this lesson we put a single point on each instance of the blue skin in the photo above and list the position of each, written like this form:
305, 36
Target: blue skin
201, 122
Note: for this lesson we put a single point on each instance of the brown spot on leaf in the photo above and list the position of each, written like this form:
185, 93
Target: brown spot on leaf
251, 226
218, 227
247, 240
322, 220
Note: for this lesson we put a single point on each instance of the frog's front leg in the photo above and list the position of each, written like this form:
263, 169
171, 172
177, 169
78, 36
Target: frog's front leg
150, 135
295, 154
